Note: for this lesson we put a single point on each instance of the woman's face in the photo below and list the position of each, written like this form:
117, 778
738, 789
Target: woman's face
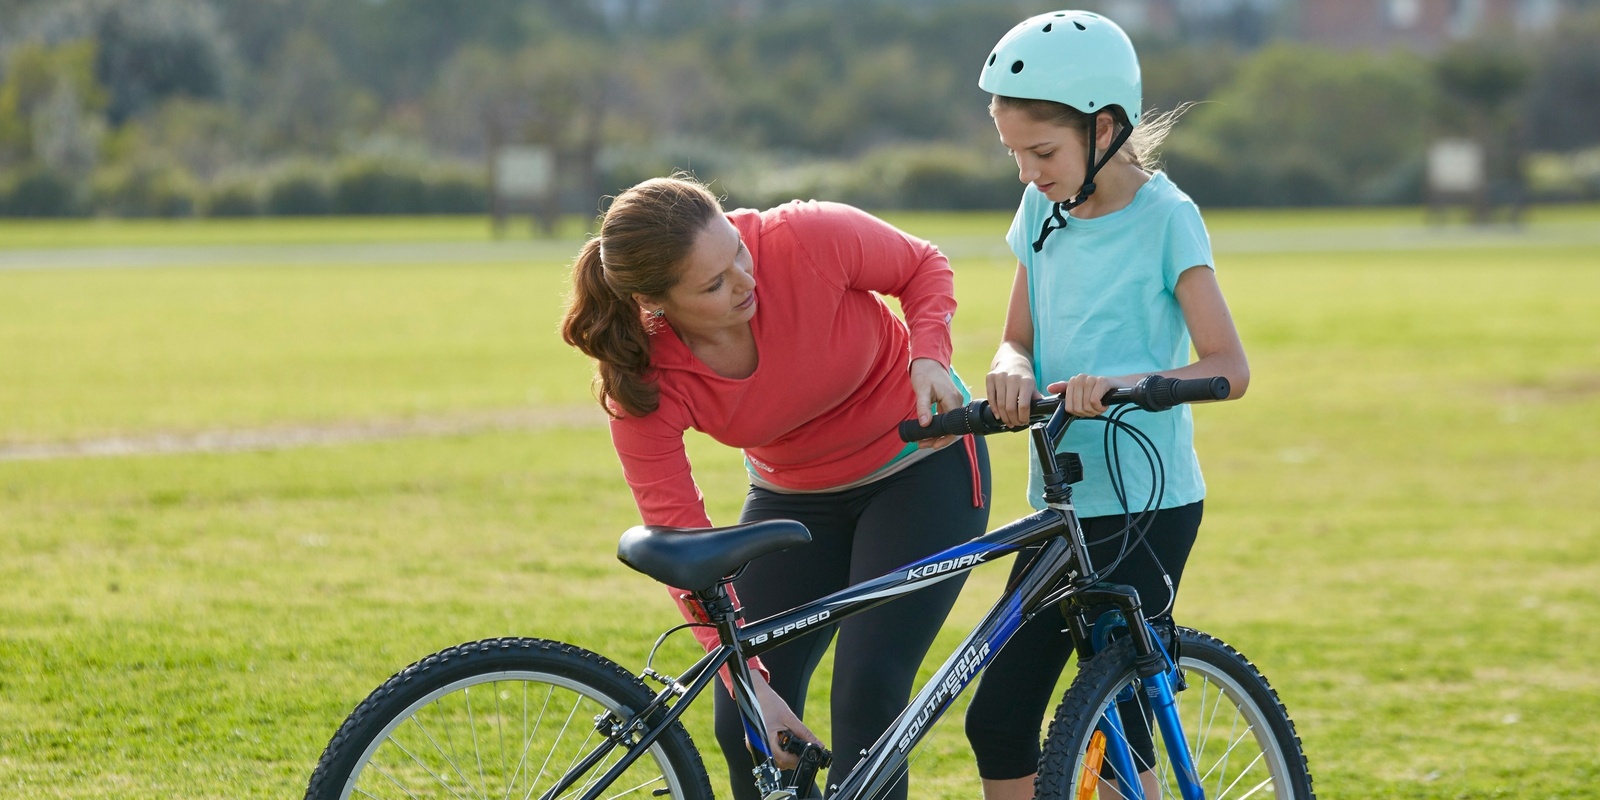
716, 288
1049, 156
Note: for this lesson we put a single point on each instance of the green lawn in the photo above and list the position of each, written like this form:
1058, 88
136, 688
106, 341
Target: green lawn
1401, 527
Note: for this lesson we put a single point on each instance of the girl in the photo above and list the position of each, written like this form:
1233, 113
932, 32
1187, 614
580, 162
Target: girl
765, 331
1114, 282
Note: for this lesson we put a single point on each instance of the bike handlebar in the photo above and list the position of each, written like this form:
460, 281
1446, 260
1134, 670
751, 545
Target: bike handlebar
1152, 393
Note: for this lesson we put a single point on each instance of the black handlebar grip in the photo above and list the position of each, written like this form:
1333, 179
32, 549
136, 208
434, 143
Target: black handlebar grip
974, 417
1159, 393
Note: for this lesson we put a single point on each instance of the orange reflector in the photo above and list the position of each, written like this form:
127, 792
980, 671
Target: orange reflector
1093, 756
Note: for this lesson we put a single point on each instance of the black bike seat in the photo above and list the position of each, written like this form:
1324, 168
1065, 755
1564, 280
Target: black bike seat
698, 558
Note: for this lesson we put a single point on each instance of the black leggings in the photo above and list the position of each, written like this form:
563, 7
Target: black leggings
856, 535
1008, 708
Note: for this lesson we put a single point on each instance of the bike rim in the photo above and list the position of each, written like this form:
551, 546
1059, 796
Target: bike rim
512, 744
1230, 738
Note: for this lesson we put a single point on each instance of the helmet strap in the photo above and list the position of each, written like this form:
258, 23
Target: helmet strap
1058, 215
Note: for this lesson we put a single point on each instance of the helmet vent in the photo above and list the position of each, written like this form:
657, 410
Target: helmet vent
1080, 26
1091, 104
991, 58
1016, 67
1048, 27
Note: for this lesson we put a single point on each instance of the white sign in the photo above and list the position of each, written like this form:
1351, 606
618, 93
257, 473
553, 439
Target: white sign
524, 171
1455, 165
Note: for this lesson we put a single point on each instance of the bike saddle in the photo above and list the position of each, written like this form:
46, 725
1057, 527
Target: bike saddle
699, 558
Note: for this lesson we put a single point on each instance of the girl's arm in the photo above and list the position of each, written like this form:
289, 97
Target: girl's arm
1216, 343
1010, 385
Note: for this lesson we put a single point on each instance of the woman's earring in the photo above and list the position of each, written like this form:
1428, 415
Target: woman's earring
658, 313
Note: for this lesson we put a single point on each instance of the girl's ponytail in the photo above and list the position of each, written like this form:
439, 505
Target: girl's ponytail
644, 238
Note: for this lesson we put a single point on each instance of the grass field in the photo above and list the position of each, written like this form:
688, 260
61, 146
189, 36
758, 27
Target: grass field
1401, 526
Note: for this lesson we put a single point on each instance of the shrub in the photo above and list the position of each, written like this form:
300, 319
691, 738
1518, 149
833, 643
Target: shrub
236, 198
380, 187
458, 192
299, 192
42, 193
144, 189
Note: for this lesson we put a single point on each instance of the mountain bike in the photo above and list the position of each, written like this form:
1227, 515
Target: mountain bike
1173, 713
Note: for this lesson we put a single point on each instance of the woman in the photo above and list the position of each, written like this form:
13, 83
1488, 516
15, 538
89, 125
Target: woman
765, 331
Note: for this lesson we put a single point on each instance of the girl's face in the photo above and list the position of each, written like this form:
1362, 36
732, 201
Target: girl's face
1049, 156
716, 288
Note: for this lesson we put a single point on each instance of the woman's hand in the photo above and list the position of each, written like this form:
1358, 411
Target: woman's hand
1011, 392
1080, 396
932, 384
779, 717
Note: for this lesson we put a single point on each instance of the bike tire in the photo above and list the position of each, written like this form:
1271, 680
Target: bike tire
494, 719
1243, 742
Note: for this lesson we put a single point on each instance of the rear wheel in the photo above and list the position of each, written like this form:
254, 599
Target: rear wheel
1241, 738
496, 719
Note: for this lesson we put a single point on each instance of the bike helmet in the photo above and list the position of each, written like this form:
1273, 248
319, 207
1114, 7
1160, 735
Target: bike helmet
1075, 58
1071, 57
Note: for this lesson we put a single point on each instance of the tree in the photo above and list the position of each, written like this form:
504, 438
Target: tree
306, 103
155, 49
1562, 109
49, 107
1306, 126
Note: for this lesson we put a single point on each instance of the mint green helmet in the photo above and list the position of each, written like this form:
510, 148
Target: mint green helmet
1071, 57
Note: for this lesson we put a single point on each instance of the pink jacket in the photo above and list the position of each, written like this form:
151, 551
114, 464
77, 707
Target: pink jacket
832, 385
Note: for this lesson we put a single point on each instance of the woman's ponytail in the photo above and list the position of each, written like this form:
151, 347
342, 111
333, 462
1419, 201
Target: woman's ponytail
608, 329
646, 234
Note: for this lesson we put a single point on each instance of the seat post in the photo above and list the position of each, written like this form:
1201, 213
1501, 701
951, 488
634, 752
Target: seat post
720, 610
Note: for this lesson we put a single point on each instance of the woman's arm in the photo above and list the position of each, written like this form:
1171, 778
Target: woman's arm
1010, 385
866, 253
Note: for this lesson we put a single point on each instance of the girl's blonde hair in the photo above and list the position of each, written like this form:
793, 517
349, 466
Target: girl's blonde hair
1142, 144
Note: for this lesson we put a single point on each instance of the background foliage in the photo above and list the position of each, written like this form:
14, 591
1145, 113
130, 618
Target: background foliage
227, 107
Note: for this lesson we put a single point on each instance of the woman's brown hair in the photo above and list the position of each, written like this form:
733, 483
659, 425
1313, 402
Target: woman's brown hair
644, 238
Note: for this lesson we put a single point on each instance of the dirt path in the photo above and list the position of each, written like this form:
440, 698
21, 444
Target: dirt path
289, 436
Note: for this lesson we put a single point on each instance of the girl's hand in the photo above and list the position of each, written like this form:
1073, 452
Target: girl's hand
1011, 392
779, 717
1080, 396
932, 384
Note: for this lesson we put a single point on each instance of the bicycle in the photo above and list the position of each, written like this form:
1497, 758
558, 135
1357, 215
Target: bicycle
524, 717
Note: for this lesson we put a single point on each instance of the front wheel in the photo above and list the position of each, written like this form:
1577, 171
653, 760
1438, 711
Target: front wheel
1239, 735
496, 719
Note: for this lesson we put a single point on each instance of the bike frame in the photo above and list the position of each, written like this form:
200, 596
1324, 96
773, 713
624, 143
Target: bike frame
1055, 574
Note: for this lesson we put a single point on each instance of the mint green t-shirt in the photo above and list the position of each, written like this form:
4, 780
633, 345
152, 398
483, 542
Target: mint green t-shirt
1101, 294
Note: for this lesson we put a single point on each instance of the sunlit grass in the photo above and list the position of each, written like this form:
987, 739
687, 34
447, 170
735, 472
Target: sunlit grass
1400, 528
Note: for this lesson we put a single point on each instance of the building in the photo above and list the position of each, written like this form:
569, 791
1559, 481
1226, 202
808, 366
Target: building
1424, 25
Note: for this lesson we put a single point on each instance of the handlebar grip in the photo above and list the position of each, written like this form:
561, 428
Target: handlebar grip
1159, 393
974, 417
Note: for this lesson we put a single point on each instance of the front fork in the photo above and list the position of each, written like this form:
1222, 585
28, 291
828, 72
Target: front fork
1158, 675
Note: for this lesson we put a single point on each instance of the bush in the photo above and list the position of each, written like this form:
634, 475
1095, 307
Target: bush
42, 193
144, 189
236, 198
458, 193
945, 178
376, 187
299, 192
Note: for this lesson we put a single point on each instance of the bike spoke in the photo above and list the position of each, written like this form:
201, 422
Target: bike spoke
551, 752
449, 758
477, 752
438, 778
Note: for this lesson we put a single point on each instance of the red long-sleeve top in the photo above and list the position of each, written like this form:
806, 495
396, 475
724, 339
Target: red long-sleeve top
832, 382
